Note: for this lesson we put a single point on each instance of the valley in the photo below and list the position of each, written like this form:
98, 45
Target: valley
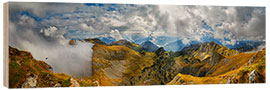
123, 63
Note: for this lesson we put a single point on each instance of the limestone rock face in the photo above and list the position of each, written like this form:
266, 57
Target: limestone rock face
30, 82
58, 85
74, 83
252, 76
251, 60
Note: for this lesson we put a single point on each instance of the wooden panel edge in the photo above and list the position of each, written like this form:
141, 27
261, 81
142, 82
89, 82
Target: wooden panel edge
6, 38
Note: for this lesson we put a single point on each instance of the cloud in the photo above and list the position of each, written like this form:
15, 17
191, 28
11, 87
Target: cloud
242, 23
50, 43
42, 9
86, 27
55, 33
185, 41
116, 34
246, 23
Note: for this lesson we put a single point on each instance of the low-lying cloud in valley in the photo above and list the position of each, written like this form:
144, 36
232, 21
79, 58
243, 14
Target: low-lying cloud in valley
50, 46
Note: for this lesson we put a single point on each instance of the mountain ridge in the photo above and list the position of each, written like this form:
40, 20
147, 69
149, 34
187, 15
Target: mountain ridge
247, 73
149, 46
121, 63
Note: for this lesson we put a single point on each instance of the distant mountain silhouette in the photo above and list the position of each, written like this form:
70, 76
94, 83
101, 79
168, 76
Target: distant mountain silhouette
174, 46
149, 46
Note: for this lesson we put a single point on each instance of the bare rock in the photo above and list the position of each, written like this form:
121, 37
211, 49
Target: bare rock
31, 81
58, 85
252, 76
228, 81
251, 60
96, 82
74, 83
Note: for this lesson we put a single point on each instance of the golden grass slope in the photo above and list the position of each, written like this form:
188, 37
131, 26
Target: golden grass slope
22, 66
112, 65
238, 75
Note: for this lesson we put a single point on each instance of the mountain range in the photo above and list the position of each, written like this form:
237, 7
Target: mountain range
175, 44
123, 62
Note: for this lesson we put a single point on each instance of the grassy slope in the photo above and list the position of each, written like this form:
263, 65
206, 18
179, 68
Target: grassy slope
129, 62
239, 75
205, 60
120, 65
22, 64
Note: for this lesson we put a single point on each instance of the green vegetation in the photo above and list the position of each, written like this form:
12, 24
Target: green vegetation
123, 63
22, 65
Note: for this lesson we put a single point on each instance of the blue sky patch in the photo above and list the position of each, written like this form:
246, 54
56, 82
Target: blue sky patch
94, 4
206, 26
30, 15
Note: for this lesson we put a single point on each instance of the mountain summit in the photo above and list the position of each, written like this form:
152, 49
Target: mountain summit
128, 44
149, 46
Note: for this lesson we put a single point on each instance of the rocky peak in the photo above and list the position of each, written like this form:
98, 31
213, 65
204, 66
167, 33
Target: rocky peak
252, 76
160, 51
211, 48
128, 44
215, 58
121, 42
149, 46
95, 41
72, 42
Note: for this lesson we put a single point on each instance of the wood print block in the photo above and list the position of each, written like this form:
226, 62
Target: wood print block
95, 44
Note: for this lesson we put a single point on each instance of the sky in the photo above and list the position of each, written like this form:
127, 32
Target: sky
51, 25
137, 22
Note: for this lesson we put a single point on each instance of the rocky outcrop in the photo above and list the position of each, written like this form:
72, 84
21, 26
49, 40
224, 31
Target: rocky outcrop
72, 42
160, 51
74, 83
251, 60
27, 72
31, 81
252, 76
58, 85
